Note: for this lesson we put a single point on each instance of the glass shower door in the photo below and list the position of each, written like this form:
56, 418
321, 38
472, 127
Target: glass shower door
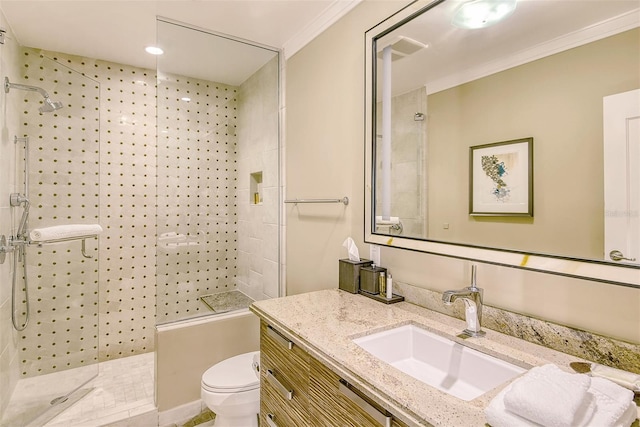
57, 351
218, 189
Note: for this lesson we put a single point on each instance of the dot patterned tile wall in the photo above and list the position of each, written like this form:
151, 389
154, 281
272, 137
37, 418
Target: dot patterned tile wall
125, 199
197, 178
197, 174
64, 189
11, 165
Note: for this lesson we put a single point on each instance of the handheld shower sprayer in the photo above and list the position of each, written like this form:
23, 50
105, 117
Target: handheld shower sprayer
48, 105
16, 200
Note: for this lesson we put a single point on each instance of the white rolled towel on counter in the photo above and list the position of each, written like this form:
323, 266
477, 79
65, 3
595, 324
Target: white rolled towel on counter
64, 232
625, 379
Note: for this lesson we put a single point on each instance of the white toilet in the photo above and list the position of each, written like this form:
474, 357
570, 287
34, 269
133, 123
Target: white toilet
231, 389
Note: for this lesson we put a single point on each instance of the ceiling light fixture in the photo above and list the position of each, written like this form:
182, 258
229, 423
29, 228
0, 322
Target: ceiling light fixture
483, 13
185, 99
154, 50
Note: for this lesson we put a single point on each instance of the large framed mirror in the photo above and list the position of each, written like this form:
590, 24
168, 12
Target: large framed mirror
508, 132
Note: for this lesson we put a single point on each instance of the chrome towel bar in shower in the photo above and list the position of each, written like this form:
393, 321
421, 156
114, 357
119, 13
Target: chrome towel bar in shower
344, 200
9, 245
41, 243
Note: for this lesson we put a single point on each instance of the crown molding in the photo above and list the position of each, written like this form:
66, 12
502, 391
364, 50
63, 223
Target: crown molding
328, 17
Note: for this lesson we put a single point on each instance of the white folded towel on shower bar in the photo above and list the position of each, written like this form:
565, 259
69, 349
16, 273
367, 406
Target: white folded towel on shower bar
393, 220
64, 232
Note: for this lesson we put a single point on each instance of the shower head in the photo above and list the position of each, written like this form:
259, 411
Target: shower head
48, 106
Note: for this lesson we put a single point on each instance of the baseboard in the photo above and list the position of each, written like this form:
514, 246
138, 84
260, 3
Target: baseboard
181, 413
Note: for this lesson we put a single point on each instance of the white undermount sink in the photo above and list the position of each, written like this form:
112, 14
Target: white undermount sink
439, 362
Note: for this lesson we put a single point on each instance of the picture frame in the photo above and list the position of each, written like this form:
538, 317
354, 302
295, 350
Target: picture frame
501, 178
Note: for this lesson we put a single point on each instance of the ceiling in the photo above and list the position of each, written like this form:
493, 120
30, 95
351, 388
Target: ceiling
119, 30
536, 29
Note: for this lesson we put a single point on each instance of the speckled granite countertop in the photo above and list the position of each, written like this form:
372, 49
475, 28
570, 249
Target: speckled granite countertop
325, 322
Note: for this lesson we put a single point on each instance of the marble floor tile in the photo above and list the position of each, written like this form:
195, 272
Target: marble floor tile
123, 388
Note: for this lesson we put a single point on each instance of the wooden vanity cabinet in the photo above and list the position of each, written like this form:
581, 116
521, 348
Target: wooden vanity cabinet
334, 402
284, 380
318, 396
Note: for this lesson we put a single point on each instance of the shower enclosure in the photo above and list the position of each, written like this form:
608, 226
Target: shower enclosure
404, 194
180, 166
217, 173
54, 285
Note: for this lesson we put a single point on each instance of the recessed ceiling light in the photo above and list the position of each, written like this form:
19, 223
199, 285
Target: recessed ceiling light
154, 50
185, 99
483, 13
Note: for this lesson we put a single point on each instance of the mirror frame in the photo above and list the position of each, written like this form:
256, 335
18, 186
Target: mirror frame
595, 270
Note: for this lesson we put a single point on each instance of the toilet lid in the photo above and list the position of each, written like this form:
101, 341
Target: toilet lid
233, 374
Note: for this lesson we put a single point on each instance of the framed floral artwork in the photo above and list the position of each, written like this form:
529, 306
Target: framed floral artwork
501, 178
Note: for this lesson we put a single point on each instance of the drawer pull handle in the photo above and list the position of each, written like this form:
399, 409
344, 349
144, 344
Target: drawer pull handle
271, 420
380, 417
286, 393
276, 336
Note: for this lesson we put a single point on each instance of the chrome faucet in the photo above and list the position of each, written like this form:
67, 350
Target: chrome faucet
472, 297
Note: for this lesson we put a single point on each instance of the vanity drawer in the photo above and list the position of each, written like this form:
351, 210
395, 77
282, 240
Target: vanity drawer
280, 412
334, 403
284, 379
285, 357
284, 392
282, 352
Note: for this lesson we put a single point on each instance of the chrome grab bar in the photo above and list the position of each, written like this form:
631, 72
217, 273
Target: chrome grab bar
9, 245
40, 243
344, 200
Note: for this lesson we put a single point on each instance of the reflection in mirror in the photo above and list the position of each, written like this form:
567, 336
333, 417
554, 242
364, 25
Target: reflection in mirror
544, 73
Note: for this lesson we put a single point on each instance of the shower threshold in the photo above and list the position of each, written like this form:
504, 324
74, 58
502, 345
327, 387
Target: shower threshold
225, 302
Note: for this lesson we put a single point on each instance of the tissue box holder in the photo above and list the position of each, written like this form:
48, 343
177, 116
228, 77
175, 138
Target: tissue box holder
369, 277
349, 279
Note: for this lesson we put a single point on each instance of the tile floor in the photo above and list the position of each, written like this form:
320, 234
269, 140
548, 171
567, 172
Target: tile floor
122, 392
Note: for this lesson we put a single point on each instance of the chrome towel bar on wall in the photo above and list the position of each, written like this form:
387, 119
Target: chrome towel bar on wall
344, 200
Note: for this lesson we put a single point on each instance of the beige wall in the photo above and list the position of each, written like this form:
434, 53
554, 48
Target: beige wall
556, 100
324, 152
325, 157
183, 353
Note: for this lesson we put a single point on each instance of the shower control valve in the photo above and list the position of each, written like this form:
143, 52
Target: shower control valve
16, 199
5, 248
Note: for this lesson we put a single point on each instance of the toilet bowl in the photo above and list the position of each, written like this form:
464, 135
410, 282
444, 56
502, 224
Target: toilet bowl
231, 389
